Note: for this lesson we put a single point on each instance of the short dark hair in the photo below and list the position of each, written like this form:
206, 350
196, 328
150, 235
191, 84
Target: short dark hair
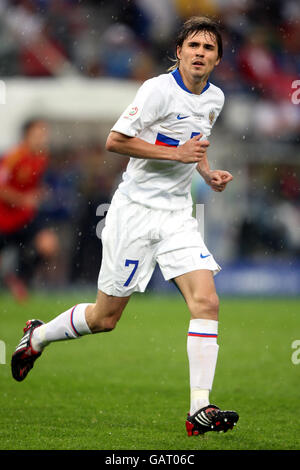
27, 125
192, 26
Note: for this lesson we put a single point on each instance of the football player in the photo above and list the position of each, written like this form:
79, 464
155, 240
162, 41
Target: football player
165, 131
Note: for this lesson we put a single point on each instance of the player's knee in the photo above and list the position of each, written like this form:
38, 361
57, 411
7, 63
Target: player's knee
200, 305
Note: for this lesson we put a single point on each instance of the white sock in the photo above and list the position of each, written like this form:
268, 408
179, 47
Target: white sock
202, 351
68, 325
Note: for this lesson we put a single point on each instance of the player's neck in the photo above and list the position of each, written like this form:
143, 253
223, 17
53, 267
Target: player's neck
195, 86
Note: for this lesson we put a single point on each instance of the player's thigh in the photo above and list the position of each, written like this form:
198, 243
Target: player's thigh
128, 259
198, 289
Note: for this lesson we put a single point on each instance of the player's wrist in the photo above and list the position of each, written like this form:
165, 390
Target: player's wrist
206, 175
175, 154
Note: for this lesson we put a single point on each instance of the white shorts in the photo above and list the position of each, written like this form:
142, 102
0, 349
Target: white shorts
136, 237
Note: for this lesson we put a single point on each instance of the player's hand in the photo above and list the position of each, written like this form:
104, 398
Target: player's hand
193, 150
31, 200
218, 179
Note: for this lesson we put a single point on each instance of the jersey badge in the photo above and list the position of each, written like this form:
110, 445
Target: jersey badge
133, 111
211, 116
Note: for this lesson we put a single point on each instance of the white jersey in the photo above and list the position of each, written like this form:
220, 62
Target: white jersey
165, 112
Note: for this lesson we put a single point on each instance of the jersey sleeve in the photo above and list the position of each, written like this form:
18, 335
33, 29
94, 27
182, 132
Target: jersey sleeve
221, 102
216, 109
7, 164
143, 111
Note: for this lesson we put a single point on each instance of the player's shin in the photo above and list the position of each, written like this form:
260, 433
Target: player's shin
202, 351
68, 325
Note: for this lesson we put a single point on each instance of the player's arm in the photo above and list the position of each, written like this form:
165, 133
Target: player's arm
8, 195
16, 198
216, 179
12, 196
203, 168
191, 151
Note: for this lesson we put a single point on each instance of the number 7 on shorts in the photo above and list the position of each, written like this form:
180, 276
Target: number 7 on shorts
128, 262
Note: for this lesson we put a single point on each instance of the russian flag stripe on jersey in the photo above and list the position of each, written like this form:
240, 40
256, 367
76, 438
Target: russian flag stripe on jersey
162, 139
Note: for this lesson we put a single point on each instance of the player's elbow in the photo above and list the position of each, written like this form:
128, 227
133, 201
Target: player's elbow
112, 142
109, 146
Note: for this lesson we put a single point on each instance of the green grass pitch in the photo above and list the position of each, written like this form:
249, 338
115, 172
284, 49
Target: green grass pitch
128, 389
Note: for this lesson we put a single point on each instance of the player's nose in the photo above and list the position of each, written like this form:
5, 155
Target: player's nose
200, 52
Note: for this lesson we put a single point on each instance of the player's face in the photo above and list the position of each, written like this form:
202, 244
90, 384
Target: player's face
198, 55
37, 137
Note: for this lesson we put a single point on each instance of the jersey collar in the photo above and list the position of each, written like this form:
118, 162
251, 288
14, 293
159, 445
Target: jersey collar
176, 74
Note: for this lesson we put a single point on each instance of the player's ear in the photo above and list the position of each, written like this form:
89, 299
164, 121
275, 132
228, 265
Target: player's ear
178, 52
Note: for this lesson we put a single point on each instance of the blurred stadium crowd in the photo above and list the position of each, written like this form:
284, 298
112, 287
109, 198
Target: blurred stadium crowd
134, 40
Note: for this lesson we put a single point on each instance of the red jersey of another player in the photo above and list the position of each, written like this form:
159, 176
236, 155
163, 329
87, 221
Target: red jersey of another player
21, 172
